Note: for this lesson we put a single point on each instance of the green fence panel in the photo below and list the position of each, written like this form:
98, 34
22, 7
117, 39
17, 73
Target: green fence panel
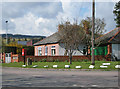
100, 50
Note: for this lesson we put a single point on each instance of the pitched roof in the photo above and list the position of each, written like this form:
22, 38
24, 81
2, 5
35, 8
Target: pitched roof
54, 38
110, 37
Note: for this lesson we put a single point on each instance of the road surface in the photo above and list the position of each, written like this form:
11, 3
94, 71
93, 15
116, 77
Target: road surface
25, 77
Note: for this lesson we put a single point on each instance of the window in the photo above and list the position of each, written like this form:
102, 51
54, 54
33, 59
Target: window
53, 51
84, 51
39, 51
53, 46
46, 50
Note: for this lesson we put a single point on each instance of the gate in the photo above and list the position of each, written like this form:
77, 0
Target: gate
7, 57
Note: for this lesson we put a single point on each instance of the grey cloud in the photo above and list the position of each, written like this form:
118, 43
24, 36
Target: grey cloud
50, 10
44, 9
19, 10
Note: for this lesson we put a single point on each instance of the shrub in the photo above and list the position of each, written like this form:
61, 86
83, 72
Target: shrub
35, 60
79, 60
75, 60
44, 60
66, 60
40, 60
85, 60
56, 60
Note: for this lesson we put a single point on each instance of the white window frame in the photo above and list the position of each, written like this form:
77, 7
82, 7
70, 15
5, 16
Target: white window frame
39, 51
46, 50
53, 48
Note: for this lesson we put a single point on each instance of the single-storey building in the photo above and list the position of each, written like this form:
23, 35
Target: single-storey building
51, 46
110, 43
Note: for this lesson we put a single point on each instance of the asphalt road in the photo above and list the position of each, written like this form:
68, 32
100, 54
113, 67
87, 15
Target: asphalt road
21, 77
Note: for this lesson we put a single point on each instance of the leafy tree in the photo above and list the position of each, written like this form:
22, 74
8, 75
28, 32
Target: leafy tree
116, 12
8, 40
18, 46
19, 39
86, 24
13, 40
25, 39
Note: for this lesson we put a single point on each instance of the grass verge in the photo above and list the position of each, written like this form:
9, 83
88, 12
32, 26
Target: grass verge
85, 65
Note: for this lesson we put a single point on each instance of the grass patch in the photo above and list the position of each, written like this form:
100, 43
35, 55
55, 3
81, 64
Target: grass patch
85, 65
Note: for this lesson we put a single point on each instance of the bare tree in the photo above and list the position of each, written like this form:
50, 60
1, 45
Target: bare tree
72, 35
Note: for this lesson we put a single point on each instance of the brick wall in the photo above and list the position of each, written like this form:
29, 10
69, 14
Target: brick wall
64, 58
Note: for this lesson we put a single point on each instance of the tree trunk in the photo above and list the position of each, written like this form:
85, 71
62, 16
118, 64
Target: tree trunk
70, 58
66, 51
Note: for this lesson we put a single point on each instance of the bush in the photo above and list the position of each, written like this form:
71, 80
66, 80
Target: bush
1, 60
79, 60
74, 60
44, 60
35, 60
66, 61
56, 60
85, 60
40, 60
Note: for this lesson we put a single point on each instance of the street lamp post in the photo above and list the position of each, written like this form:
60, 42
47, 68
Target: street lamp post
6, 30
93, 29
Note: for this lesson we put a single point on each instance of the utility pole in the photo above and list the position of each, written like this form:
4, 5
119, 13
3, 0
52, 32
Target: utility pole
6, 30
93, 29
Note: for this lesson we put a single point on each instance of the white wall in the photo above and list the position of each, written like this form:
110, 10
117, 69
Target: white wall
116, 50
62, 49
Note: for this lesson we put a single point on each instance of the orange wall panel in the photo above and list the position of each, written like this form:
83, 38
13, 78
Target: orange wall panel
49, 49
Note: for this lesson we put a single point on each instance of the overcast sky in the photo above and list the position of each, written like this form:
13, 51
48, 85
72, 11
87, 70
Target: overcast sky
42, 18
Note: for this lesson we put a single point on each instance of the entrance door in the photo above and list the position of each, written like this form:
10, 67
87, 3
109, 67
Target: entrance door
7, 57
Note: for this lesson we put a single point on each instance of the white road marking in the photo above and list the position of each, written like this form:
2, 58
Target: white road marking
94, 85
28, 83
74, 85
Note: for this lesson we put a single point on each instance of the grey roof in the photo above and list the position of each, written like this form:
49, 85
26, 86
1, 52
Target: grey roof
54, 38
111, 37
22, 42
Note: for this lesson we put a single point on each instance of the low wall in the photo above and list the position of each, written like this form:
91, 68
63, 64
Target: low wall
63, 58
19, 58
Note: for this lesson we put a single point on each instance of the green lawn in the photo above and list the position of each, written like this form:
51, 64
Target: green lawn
85, 65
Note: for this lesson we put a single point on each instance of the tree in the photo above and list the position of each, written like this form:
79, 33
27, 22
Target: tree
86, 24
13, 40
18, 46
9, 40
72, 35
19, 39
116, 12
25, 39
